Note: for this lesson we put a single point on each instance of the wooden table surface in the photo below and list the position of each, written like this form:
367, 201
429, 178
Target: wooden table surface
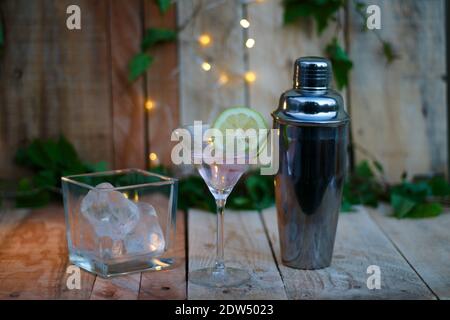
413, 257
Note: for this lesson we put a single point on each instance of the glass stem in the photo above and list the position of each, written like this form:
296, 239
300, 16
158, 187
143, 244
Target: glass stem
220, 265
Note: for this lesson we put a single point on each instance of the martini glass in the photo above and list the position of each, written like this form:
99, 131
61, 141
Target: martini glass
220, 177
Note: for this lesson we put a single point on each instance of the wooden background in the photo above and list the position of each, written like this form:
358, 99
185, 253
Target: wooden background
54, 81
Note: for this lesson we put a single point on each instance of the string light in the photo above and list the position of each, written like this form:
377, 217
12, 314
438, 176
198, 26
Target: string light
250, 76
149, 104
206, 66
250, 43
204, 40
153, 156
244, 23
154, 161
223, 79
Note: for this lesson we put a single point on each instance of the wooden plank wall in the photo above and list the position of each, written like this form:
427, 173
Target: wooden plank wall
162, 86
53, 80
398, 111
128, 112
56, 81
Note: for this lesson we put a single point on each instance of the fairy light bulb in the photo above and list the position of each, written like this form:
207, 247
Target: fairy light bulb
149, 104
244, 23
204, 40
153, 157
250, 76
250, 43
206, 66
223, 79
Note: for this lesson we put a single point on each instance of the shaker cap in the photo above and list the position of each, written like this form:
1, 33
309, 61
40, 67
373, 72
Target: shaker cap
312, 73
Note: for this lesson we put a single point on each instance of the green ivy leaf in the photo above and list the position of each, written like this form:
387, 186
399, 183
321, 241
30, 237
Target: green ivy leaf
240, 203
157, 35
360, 6
45, 178
138, 65
2, 35
346, 206
341, 63
195, 194
68, 159
293, 11
40, 154
49, 159
30, 197
378, 166
404, 175
163, 5
425, 210
322, 11
363, 170
97, 167
439, 186
260, 190
402, 205
389, 52
416, 191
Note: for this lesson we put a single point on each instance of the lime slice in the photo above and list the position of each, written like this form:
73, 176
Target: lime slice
244, 119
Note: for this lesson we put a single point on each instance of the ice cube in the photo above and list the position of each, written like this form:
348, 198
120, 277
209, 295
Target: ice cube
147, 237
109, 212
110, 249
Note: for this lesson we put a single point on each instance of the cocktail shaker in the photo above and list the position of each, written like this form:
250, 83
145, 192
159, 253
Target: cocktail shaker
313, 138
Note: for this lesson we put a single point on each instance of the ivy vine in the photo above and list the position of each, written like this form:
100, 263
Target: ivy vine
152, 37
324, 13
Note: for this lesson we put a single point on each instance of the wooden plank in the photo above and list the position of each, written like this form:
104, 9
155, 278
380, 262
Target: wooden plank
424, 243
201, 96
246, 246
168, 284
403, 103
162, 86
118, 288
359, 244
276, 48
126, 26
33, 253
54, 80
87, 280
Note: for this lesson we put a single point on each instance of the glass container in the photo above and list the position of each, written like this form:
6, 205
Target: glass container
120, 221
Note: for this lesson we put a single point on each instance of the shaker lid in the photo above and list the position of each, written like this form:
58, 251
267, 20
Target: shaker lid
312, 73
311, 101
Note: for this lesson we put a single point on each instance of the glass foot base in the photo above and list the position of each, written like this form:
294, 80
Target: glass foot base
219, 278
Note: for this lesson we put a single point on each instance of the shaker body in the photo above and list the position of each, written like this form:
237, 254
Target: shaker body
309, 184
313, 137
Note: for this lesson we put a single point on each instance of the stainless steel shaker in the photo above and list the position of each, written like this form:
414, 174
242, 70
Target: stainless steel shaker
313, 137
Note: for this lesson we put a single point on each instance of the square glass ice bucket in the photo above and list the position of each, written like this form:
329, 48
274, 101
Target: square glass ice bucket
127, 225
